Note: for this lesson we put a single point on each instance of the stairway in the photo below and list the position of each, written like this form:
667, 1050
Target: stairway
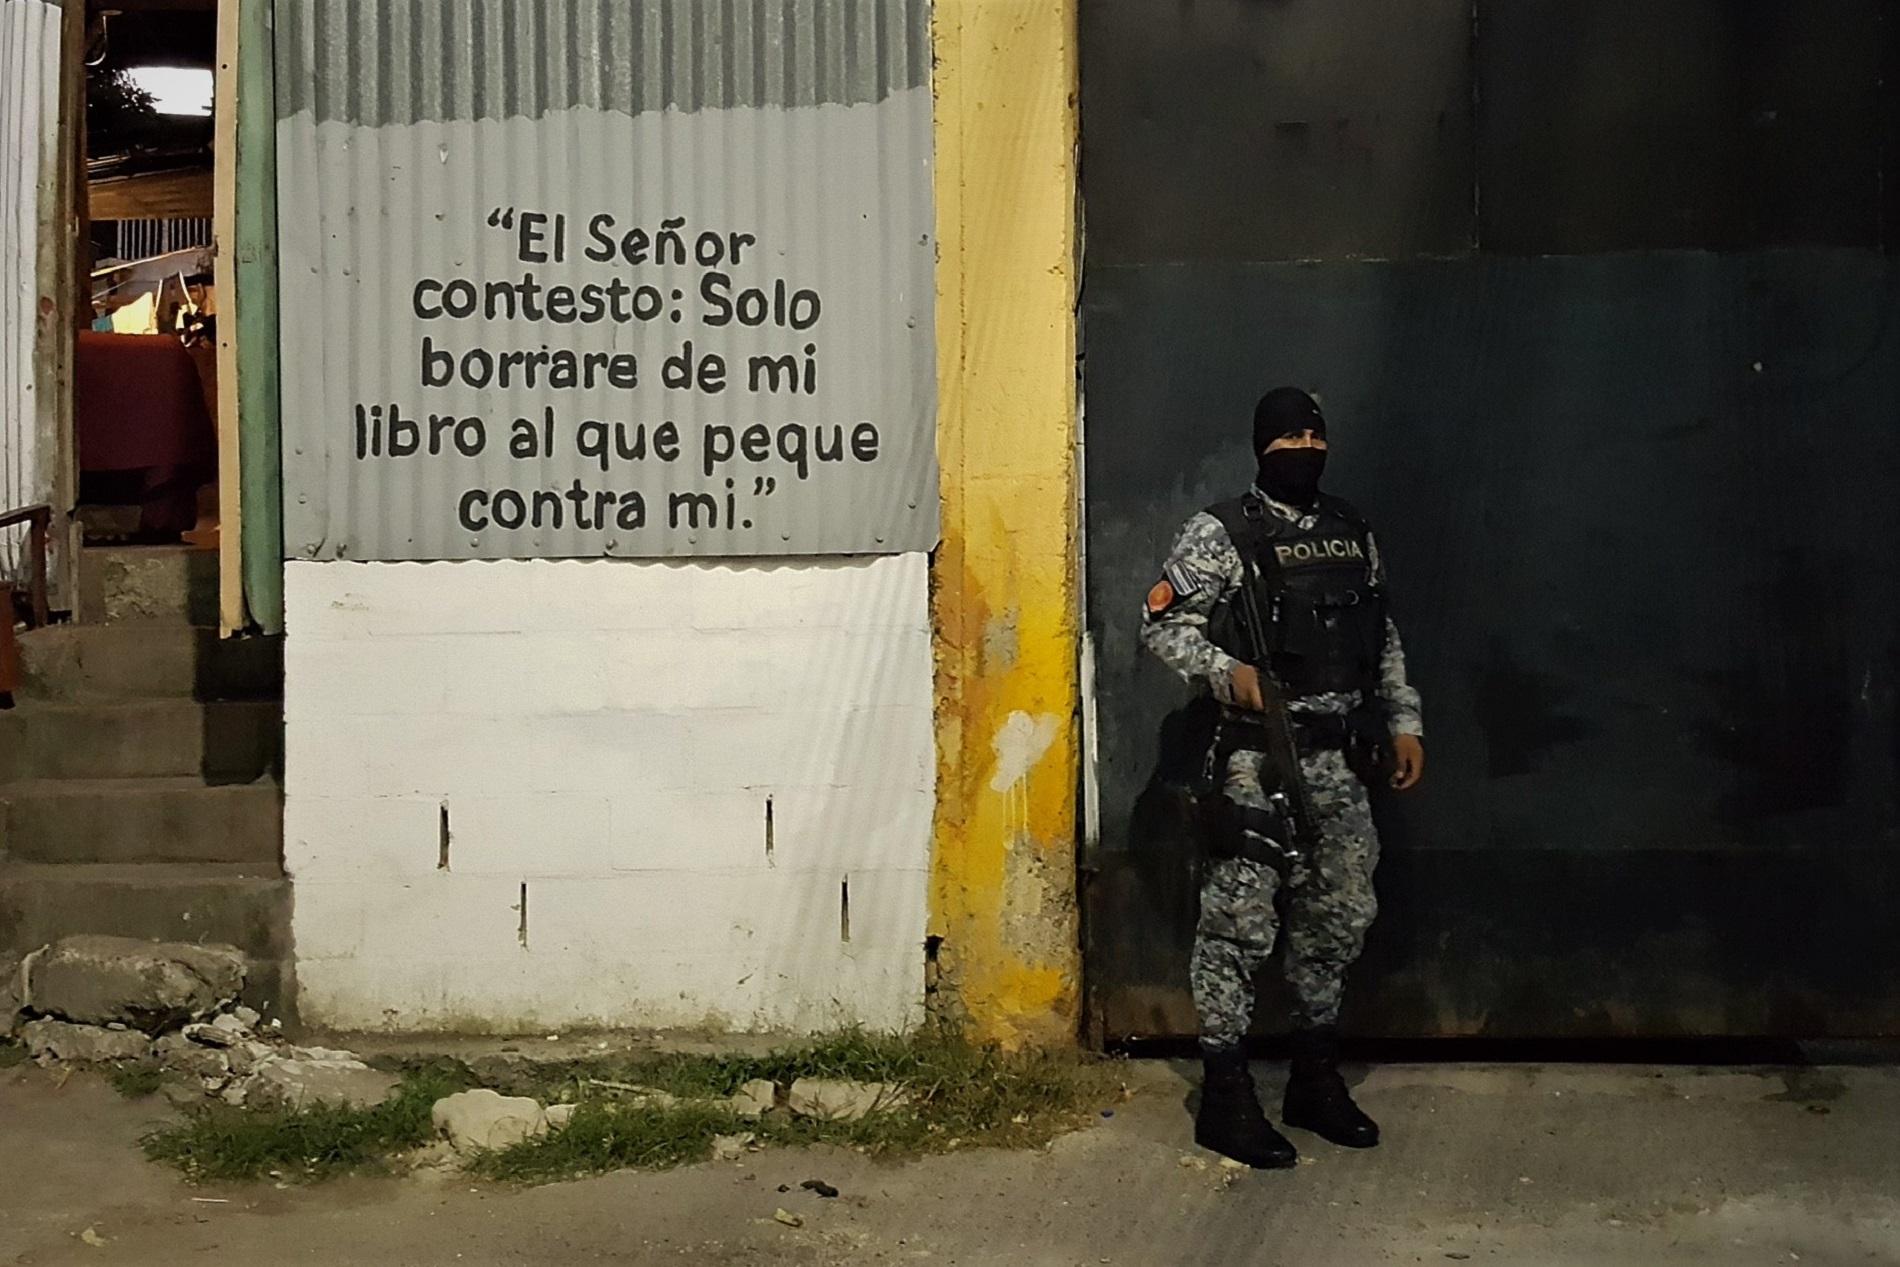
140, 772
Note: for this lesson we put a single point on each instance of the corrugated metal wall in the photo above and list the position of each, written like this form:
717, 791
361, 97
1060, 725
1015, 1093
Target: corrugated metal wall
29, 121
378, 62
413, 132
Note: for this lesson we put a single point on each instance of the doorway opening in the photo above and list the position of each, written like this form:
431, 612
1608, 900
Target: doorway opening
145, 396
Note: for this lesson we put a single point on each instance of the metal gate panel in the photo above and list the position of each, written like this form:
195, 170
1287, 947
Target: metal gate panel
1646, 589
1637, 504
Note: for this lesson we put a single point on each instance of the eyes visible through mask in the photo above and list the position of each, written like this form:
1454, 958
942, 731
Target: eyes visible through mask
1305, 436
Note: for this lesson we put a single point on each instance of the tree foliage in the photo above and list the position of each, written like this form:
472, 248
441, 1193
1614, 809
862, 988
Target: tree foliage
120, 115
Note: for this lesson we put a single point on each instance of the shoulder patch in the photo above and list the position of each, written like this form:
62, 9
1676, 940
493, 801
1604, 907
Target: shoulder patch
1183, 580
1161, 597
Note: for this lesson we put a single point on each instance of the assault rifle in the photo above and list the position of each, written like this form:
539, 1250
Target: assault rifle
1271, 731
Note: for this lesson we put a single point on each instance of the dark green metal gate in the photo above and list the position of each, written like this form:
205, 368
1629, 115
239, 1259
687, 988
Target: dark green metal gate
1599, 301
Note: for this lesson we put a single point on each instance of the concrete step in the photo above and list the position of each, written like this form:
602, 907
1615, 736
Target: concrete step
177, 584
142, 820
105, 523
246, 907
147, 660
220, 741
242, 906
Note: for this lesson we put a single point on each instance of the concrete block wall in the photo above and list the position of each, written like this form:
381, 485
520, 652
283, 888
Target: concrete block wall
713, 784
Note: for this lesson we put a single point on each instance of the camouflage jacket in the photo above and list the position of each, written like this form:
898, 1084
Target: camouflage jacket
1203, 570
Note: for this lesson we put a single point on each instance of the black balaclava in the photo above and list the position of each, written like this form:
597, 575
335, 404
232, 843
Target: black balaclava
1288, 475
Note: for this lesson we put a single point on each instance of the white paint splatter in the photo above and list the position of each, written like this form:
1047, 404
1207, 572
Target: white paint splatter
1019, 745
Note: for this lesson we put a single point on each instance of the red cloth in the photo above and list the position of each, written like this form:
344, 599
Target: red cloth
138, 404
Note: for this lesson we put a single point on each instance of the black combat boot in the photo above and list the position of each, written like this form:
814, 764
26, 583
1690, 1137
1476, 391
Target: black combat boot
1230, 1122
1316, 1096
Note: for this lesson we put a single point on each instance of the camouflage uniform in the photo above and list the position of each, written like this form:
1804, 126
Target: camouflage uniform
1329, 900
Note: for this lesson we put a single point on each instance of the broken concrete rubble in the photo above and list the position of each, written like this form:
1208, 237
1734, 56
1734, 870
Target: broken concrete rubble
97, 998
48, 1040
179, 1053
510, 1072
225, 1030
440, 1155
244, 1057
223, 1057
732, 1147
837, 1100
299, 1080
559, 1115
754, 1098
12, 995
150, 985
484, 1120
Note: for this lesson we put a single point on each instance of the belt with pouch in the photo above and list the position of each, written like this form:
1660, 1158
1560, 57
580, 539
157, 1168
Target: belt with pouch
1319, 732
1361, 735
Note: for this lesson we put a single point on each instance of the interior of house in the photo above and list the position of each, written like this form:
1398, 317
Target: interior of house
144, 371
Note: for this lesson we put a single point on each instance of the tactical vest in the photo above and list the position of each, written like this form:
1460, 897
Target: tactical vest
1322, 618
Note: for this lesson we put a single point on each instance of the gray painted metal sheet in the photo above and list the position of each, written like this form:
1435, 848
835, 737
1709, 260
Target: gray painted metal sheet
506, 224
29, 124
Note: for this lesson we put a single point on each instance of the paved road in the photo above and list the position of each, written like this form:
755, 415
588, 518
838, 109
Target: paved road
1490, 1165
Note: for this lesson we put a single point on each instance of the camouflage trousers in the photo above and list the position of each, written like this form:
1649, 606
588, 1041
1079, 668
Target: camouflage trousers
1328, 904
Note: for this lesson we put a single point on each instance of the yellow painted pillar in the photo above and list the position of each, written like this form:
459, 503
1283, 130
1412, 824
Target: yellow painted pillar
1005, 586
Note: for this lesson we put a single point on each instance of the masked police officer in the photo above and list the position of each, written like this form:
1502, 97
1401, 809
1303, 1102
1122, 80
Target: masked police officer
1303, 565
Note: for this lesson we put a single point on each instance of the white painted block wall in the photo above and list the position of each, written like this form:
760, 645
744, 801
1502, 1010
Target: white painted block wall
606, 735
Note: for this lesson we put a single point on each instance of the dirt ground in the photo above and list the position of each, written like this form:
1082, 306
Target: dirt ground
1574, 1164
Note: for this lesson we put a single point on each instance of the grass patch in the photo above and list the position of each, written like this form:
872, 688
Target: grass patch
136, 1081
957, 1094
217, 1143
603, 1137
